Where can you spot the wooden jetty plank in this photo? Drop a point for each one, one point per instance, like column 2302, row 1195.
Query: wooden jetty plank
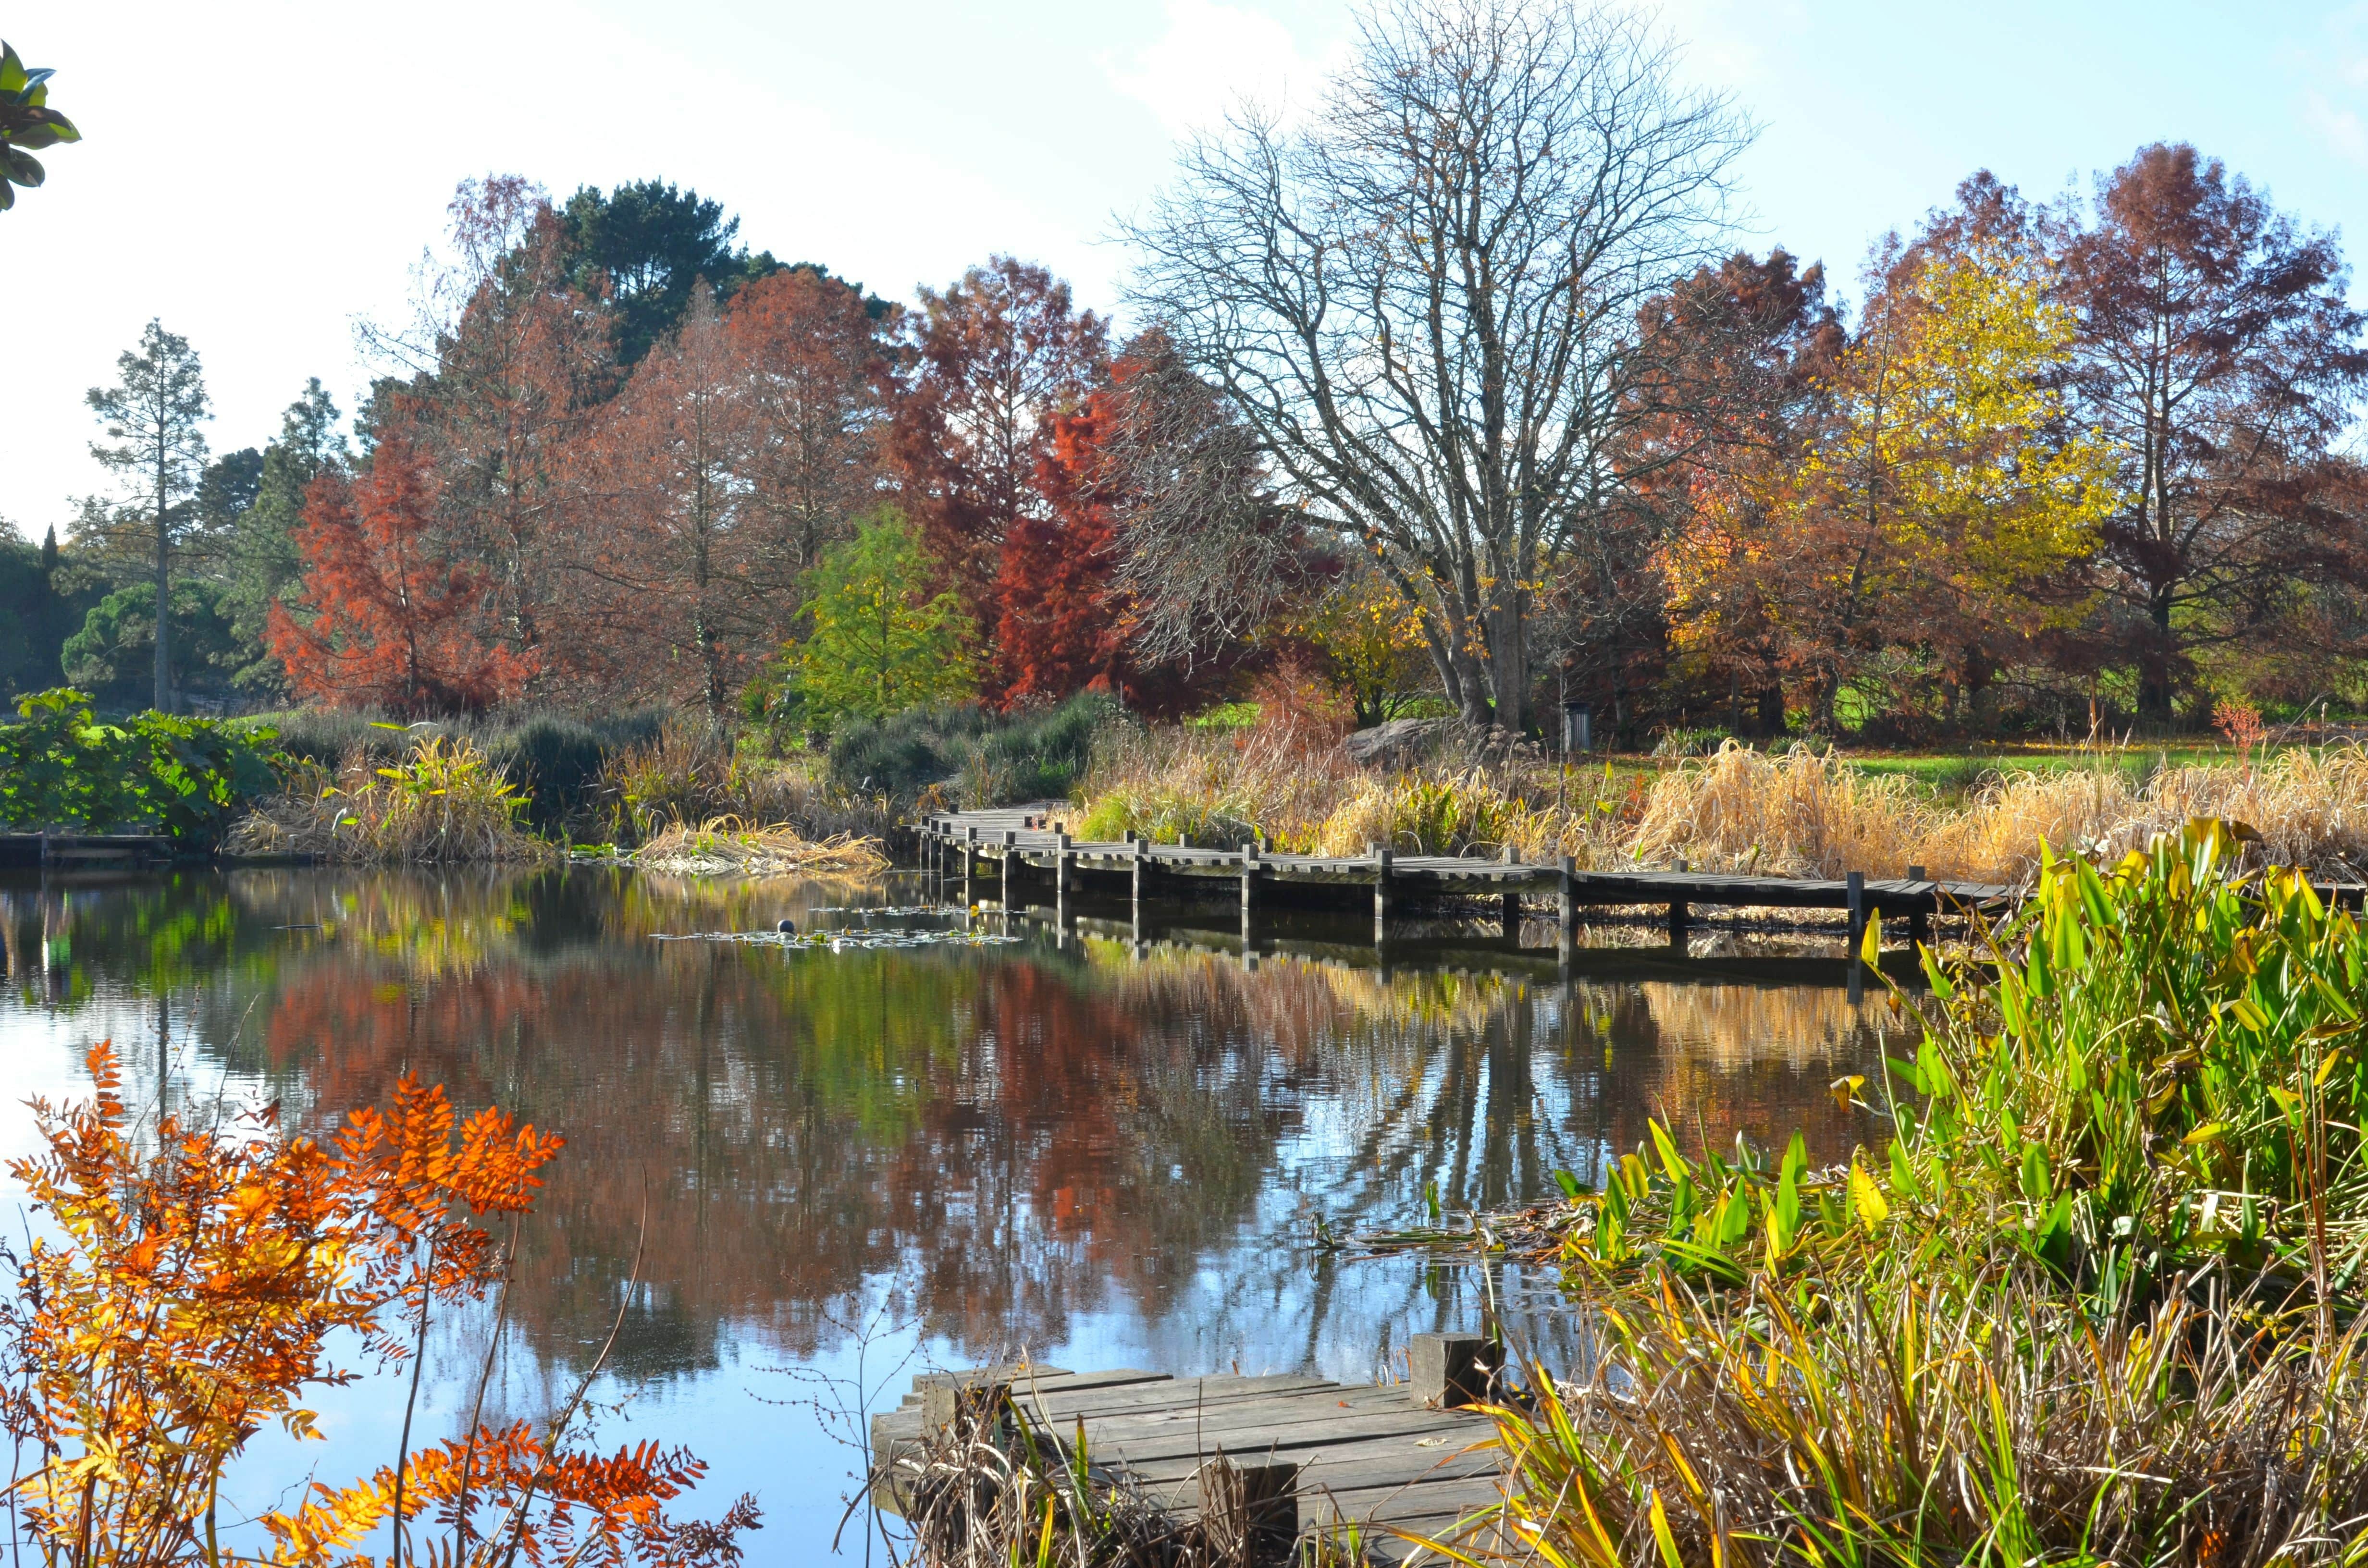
column 1364, row 1454
column 1262, row 1429
column 1176, row 1393
column 1379, row 1461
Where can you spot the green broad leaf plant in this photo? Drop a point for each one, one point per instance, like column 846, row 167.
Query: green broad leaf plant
column 2156, row 1068
column 27, row 124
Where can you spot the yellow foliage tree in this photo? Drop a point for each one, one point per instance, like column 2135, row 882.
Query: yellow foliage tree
column 1942, row 501
column 1371, row 637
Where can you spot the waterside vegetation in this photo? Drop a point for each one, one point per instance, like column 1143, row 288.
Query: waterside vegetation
column 2091, row 1293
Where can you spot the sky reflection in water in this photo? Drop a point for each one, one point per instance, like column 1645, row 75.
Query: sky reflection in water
column 855, row 1164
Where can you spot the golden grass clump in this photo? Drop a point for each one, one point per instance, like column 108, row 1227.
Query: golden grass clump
column 1442, row 814
column 727, row 844
column 1800, row 815
column 1216, row 785
column 1914, row 1427
column 444, row 802
column 692, row 772
column 1804, row 814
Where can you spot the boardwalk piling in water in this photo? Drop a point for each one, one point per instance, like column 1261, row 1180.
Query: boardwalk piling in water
column 1264, row 881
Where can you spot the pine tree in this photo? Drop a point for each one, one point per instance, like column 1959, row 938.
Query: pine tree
column 153, row 413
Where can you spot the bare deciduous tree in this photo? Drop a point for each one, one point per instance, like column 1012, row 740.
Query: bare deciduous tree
column 1424, row 301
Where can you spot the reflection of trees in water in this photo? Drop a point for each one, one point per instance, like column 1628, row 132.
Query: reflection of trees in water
column 1018, row 1137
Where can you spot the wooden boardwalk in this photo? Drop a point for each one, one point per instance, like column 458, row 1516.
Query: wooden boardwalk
column 59, row 851
column 1017, row 858
column 1316, row 1454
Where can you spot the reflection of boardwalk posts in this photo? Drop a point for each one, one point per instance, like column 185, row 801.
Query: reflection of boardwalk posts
column 81, row 851
column 1239, row 1461
column 1026, row 842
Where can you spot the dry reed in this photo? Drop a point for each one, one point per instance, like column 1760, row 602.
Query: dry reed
column 726, row 845
column 445, row 803
column 692, row 772
column 2001, row 1425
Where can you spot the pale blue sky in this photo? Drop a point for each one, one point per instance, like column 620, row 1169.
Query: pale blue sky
column 259, row 174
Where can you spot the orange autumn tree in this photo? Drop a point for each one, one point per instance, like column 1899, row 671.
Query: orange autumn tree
column 178, row 1296
column 388, row 616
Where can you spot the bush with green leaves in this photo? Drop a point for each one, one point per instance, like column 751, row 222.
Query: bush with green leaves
column 159, row 773
column 881, row 644
column 972, row 756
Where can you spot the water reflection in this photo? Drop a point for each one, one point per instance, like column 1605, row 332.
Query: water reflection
column 1112, row 1154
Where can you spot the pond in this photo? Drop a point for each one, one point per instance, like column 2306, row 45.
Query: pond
column 840, row 1166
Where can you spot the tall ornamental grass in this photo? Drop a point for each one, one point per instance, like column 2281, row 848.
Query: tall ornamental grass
column 444, row 802
column 2090, row 1294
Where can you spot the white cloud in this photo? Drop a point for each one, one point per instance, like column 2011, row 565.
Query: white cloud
column 1213, row 57
column 2341, row 129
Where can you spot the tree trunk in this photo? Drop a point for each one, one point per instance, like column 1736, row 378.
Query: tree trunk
column 163, row 591
column 2155, row 674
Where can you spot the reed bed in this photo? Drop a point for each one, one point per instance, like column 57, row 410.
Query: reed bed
column 1798, row 812
column 1807, row 815
column 443, row 802
column 692, row 771
column 727, row 844
column 1997, row 1426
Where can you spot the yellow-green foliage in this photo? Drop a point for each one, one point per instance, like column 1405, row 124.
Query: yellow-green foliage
column 1442, row 815
column 2159, row 1069
column 444, row 801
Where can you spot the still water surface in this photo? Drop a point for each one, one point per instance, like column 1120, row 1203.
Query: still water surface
column 842, row 1167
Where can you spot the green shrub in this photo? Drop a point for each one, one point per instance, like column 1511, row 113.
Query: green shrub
column 975, row 757
column 1038, row 757
column 328, row 737
column 185, row 778
column 906, row 753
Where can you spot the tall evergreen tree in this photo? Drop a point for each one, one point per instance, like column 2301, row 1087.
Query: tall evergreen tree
column 653, row 243
column 158, row 453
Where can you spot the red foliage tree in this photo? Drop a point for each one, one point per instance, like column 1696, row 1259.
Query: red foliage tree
column 816, row 391
column 2221, row 353
column 391, row 619
column 1066, row 618
column 659, row 601
column 509, row 362
column 999, row 356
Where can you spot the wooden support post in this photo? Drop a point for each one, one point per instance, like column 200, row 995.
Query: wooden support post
column 1451, row 1370
column 1919, row 925
column 1249, row 894
column 1061, row 861
column 1010, row 840
column 1140, row 873
column 1854, row 886
column 1380, row 855
column 1250, row 1513
column 1680, row 917
column 968, row 854
column 1567, row 914
column 1509, row 903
